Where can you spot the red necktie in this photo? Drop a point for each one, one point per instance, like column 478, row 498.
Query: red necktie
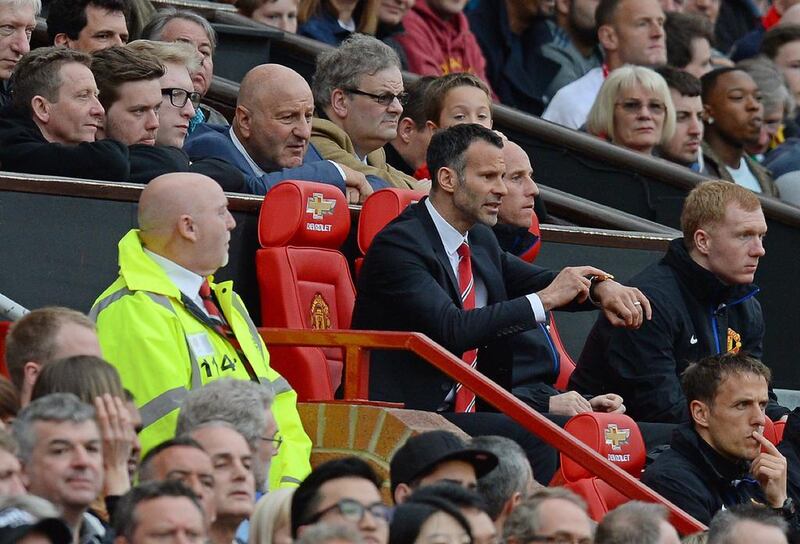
column 465, row 399
column 220, row 325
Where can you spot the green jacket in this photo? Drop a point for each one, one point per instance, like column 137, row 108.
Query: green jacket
column 162, row 352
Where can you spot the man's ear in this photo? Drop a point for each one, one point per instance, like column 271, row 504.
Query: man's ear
column 405, row 129
column 30, row 373
column 61, row 39
column 340, row 104
column 242, row 117
column 187, row 228
column 700, row 413
column 433, row 127
column 702, row 241
column 447, row 179
column 401, row 493
column 608, row 38
column 708, row 114
column 41, row 108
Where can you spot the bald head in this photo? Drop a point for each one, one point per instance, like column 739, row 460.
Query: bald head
column 273, row 116
column 516, row 207
column 791, row 16
column 184, row 217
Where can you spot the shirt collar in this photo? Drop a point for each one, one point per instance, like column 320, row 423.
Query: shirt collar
column 451, row 238
column 185, row 280
column 238, row 145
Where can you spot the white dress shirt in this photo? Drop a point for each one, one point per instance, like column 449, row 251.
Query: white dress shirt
column 185, row 280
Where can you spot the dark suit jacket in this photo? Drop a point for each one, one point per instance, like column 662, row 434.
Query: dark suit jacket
column 214, row 141
column 407, row 284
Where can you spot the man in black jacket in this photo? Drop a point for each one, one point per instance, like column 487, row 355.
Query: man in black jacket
column 703, row 304
column 721, row 458
column 55, row 117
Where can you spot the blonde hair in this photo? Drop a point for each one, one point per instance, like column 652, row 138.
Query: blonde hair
column 175, row 52
column 272, row 511
column 706, row 204
column 601, row 116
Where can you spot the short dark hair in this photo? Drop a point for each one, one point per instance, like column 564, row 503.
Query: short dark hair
column 448, row 148
column 683, row 82
column 182, row 441
column 701, row 380
column 306, row 497
column 605, row 12
column 409, row 517
column 777, row 37
column 709, row 80
column 439, row 87
column 120, row 64
column 681, row 29
column 125, row 520
column 723, row 525
column 69, row 16
column 416, row 100
column 38, row 73
column 449, row 491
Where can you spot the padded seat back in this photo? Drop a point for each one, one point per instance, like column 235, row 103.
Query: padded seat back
column 533, row 251
column 303, row 279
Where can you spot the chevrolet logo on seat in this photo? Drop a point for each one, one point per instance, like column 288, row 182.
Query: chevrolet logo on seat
column 319, row 207
column 616, row 437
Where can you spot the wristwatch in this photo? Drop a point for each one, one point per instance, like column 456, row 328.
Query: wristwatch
column 787, row 510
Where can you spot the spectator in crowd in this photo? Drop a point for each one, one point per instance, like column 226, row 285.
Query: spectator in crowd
column 26, row 519
column 269, row 139
column 435, row 456
column 780, row 13
column 630, row 32
column 9, row 401
column 706, row 305
column 505, row 486
column 747, row 523
column 633, row 110
column 471, row 505
column 281, row 14
column 720, row 458
column 11, row 483
column 738, row 19
column 172, row 25
column 61, row 452
column 245, row 405
column 55, row 119
column 180, row 242
column 409, row 257
column 456, row 99
column 343, row 491
column 183, row 459
column 271, row 519
column 777, row 101
column 733, row 119
column 87, row 25
column 407, row 151
column 390, row 25
column 324, row 533
column 425, row 520
column 18, row 17
column 684, row 146
column 358, row 90
column 549, row 514
column 689, row 39
column 438, row 40
column 782, row 46
column 333, row 22
column 158, row 511
column 234, row 482
column 636, row 522
column 530, row 57
column 43, row 336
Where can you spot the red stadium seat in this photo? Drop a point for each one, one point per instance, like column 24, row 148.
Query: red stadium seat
column 378, row 211
column 4, row 326
column 533, row 251
column 770, row 432
column 779, row 428
column 304, row 281
column 617, row 438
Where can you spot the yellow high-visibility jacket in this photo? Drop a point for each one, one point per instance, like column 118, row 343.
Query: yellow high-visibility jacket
column 162, row 352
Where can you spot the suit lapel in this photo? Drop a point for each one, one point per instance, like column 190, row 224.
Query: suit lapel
column 438, row 249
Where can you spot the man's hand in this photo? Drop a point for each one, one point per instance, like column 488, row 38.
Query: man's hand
column 769, row 468
column 358, row 188
column 623, row 306
column 572, row 283
column 117, row 433
column 568, row 404
column 609, row 403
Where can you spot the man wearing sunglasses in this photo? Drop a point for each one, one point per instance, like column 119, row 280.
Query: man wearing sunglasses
column 342, row 492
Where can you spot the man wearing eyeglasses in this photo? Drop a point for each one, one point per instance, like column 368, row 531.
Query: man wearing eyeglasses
column 358, row 92
column 342, row 492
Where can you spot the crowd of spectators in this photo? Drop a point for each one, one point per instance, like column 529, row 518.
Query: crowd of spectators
column 159, row 416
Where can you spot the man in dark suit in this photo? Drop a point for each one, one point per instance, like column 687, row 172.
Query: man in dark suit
column 269, row 138
column 409, row 282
